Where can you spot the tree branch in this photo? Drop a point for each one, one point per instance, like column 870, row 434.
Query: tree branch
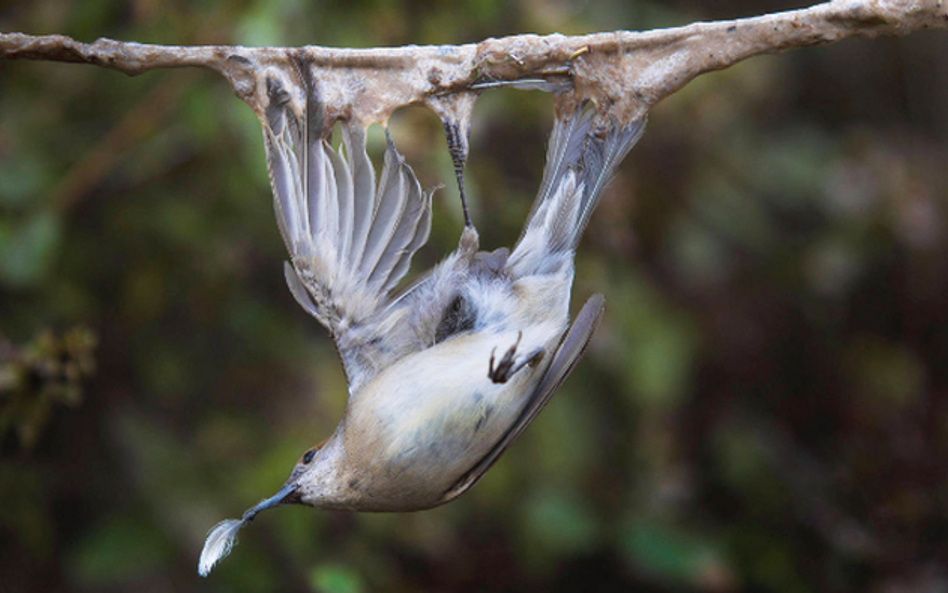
column 624, row 72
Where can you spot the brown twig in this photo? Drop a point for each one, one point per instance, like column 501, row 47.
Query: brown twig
column 625, row 72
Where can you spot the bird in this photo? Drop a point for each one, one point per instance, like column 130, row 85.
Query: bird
column 446, row 372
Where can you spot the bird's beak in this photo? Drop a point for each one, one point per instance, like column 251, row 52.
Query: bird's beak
column 222, row 537
column 288, row 494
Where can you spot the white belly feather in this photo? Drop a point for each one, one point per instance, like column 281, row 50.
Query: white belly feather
column 434, row 411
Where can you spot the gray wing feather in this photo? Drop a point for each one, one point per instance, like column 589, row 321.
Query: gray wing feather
column 412, row 234
column 349, row 242
column 346, row 202
column 400, row 224
column 571, row 349
column 601, row 160
column 398, row 190
column 583, row 155
column 363, row 188
column 565, row 149
column 298, row 290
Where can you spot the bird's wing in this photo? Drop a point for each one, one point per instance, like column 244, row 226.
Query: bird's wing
column 350, row 241
column 571, row 349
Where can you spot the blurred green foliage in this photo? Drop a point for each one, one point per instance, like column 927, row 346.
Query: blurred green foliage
column 764, row 408
column 48, row 371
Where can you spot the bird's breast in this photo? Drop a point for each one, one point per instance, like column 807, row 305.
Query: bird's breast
column 427, row 419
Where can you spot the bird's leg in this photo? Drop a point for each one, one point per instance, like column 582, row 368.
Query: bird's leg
column 508, row 365
column 457, row 146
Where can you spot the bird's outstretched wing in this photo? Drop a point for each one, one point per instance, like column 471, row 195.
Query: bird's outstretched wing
column 350, row 241
column 570, row 350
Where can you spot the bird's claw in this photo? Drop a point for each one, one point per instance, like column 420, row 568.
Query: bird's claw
column 508, row 365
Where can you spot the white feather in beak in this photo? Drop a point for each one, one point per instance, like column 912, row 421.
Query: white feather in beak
column 222, row 537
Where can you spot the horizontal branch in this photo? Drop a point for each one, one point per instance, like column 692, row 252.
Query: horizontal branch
column 624, row 72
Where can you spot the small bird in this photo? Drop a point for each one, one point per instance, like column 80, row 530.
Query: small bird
column 446, row 373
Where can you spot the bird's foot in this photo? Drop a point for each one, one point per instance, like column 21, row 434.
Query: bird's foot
column 456, row 134
column 508, row 365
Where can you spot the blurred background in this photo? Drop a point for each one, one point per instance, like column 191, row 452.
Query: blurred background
column 764, row 408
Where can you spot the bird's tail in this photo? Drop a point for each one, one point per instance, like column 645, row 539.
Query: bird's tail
column 582, row 157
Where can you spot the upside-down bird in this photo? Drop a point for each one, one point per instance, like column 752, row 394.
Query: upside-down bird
column 444, row 374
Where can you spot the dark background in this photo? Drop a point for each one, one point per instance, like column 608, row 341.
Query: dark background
column 764, row 408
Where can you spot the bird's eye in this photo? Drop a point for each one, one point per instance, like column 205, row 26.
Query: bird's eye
column 308, row 456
